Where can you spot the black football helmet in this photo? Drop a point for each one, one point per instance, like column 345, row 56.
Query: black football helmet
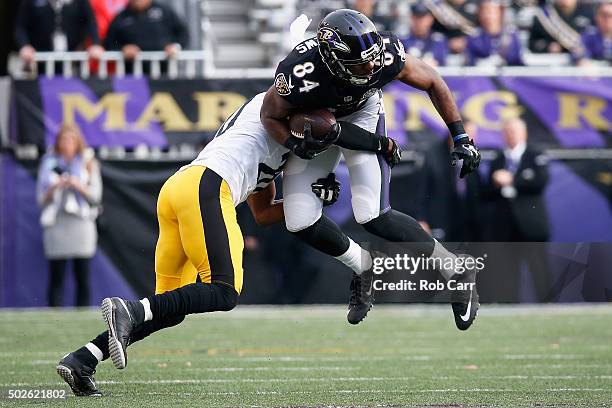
column 347, row 37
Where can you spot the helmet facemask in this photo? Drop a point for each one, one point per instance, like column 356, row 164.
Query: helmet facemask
column 332, row 48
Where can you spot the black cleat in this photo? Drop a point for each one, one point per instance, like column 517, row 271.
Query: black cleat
column 465, row 302
column 121, row 317
column 362, row 296
column 78, row 376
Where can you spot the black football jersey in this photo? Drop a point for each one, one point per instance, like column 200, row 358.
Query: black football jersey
column 305, row 81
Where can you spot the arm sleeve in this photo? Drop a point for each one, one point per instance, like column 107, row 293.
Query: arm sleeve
column 353, row 137
column 21, row 31
column 111, row 42
column 90, row 23
column 179, row 30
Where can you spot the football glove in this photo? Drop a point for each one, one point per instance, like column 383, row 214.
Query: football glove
column 465, row 150
column 309, row 147
column 327, row 189
column 392, row 155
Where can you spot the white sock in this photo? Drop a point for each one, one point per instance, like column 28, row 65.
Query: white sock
column 93, row 349
column 440, row 252
column 356, row 258
column 147, row 309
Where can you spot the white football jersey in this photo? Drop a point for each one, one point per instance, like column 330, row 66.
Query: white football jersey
column 243, row 153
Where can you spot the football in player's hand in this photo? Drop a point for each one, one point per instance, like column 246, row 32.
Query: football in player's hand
column 321, row 122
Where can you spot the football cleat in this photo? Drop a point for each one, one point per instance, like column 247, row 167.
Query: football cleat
column 121, row 317
column 362, row 296
column 78, row 376
column 464, row 301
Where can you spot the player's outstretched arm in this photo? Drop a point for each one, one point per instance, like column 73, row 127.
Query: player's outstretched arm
column 421, row 76
column 266, row 210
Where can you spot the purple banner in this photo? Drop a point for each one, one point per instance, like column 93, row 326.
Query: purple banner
column 560, row 112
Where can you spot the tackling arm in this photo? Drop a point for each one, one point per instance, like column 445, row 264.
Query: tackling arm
column 266, row 210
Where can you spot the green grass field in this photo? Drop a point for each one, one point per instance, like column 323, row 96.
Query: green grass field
column 553, row 356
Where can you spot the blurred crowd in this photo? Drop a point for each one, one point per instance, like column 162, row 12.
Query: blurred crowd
column 129, row 26
column 491, row 32
column 442, row 32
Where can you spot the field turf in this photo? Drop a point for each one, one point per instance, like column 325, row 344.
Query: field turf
column 409, row 356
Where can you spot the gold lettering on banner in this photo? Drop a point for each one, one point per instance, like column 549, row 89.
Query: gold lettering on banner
column 112, row 104
column 474, row 108
column 574, row 107
column 163, row 108
column 419, row 103
column 215, row 107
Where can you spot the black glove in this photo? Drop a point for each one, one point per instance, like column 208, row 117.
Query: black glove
column 309, row 147
column 327, row 189
column 465, row 150
column 392, row 156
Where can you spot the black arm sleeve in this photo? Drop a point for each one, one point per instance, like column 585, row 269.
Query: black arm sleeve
column 179, row 30
column 112, row 41
column 90, row 23
column 353, row 137
column 21, row 31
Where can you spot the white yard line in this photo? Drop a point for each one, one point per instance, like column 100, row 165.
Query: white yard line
column 331, row 379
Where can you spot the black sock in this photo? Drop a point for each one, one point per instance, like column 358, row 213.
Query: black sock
column 395, row 226
column 193, row 298
column 152, row 326
column 325, row 236
column 86, row 357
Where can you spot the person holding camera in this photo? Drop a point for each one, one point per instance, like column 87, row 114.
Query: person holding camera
column 69, row 191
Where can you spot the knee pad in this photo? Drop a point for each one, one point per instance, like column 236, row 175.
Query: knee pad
column 301, row 211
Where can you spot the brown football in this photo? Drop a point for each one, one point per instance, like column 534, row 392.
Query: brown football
column 321, row 121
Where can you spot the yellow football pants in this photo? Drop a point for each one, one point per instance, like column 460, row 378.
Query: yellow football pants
column 198, row 232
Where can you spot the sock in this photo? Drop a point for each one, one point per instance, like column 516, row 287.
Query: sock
column 326, row 236
column 152, row 326
column 440, row 252
column 356, row 258
column 95, row 351
column 148, row 315
column 193, row 298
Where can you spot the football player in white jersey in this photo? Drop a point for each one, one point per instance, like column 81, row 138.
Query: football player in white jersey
column 199, row 235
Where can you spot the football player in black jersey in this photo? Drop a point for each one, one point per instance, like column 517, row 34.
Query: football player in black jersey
column 343, row 70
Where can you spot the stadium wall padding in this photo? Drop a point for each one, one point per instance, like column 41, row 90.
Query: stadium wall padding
column 278, row 268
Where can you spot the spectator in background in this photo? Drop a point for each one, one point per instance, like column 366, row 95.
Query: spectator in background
column 368, row 8
column 494, row 43
column 105, row 11
column 422, row 43
column 8, row 13
column 455, row 19
column 145, row 25
column 55, row 25
column 450, row 206
column 556, row 27
column 517, row 179
column 69, row 189
column 597, row 41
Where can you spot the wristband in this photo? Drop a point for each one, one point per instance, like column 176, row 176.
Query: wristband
column 459, row 137
column 456, row 128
